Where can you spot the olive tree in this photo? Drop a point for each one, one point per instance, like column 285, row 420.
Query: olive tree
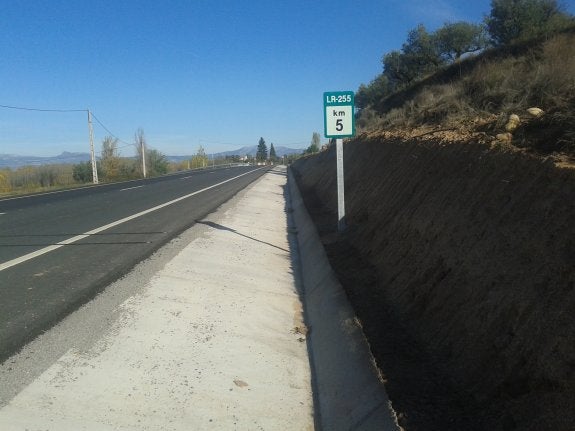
column 459, row 38
column 512, row 20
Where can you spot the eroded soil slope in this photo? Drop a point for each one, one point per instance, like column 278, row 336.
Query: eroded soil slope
column 460, row 262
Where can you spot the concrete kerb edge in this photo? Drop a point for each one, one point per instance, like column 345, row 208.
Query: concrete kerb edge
column 350, row 393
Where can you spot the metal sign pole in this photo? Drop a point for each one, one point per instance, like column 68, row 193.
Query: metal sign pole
column 339, row 122
column 340, row 186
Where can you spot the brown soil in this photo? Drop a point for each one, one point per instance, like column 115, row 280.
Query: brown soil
column 459, row 259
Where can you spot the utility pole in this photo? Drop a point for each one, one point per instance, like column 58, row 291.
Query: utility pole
column 143, row 148
column 92, row 155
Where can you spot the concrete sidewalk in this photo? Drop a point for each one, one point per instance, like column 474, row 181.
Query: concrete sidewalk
column 209, row 334
column 214, row 340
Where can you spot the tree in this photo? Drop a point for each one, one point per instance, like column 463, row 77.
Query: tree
column 368, row 95
column 273, row 155
column 129, row 169
column 419, row 57
column 422, row 52
column 314, row 146
column 110, row 159
column 262, row 152
column 158, row 163
column 199, row 160
column 46, row 175
column 396, row 69
column 512, row 20
column 456, row 39
column 82, row 172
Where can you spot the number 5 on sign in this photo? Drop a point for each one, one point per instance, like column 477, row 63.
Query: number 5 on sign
column 339, row 121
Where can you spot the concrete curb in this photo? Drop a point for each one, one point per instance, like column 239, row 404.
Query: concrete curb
column 350, row 393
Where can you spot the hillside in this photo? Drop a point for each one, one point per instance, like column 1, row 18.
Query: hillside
column 460, row 248
column 480, row 93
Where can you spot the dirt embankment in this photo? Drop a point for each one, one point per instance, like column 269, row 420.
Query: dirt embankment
column 460, row 262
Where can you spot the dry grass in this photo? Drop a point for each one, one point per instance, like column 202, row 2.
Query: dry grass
column 540, row 75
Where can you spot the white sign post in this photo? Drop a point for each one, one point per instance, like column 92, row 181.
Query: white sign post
column 339, row 123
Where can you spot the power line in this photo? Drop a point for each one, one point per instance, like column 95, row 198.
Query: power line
column 107, row 130
column 42, row 110
column 22, row 108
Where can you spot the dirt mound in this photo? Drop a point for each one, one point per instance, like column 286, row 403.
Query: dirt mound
column 459, row 260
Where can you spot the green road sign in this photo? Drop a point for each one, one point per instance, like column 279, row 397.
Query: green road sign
column 339, row 121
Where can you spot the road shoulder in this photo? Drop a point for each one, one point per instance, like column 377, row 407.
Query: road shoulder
column 208, row 339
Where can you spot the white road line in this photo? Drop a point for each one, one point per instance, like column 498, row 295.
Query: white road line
column 130, row 188
column 49, row 193
column 184, row 178
column 77, row 238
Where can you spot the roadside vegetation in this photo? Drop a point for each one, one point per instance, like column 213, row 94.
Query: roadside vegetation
column 30, row 179
column 476, row 76
column 113, row 167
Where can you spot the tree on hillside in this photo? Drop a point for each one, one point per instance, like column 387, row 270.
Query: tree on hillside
column 456, row 39
column 369, row 94
column 262, row 152
column 512, row 20
column 419, row 57
column 273, row 155
column 110, row 159
column 396, row 69
column 421, row 51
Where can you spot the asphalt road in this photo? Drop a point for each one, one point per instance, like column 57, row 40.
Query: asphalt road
column 59, row 250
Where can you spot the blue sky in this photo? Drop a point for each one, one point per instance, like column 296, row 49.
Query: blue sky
column 216, row 73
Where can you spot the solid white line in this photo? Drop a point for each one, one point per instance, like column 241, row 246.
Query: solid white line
column 48, row 193
column 77, row 238
column 130, row 188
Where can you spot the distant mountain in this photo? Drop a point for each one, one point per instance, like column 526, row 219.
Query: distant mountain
column 15, row 161
column 244, row 151
column 66, row 158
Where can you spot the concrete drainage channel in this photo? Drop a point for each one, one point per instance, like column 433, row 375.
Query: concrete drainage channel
column 349, row 393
